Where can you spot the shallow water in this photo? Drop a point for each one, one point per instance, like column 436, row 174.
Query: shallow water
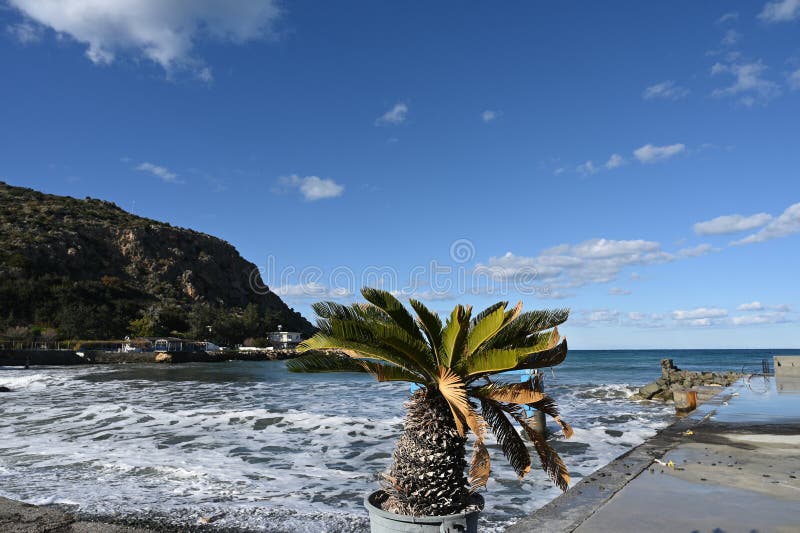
column 256, row 447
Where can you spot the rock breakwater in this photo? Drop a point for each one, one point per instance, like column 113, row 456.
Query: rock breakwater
column 674, row 379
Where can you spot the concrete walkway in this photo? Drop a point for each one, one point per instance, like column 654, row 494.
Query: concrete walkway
column 733, row 466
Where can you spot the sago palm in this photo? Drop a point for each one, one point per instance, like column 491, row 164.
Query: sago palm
column 453, row 363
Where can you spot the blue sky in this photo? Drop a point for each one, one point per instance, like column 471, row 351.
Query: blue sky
column 635, row 162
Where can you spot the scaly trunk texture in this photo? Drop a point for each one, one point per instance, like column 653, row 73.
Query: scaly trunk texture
column 427, row 476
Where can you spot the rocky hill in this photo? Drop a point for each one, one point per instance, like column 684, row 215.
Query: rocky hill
column 91, row 270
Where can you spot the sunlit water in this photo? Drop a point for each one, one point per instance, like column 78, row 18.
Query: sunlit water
column 253, row 446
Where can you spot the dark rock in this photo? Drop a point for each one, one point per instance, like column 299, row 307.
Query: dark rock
column 673, row 379
column 4, row 389
column 667, row 367
column 648, row 391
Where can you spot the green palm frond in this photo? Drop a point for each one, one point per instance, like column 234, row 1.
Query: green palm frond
column 551, row 357
column 454, row 336
column 507, row 437
column 522, row 331
column 390, row 305
column 431, row 326
column 485, row 328
column 324, row 362
column 396, row 338
column 491, row 362
column 486, row 312
column 360, row 350
column 386, row 372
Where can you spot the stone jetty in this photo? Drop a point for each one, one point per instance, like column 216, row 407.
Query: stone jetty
column 707, row 384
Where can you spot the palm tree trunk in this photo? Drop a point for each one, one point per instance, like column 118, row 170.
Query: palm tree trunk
column 427, row 475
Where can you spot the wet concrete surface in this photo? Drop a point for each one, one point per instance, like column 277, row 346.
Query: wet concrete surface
column 732, row 466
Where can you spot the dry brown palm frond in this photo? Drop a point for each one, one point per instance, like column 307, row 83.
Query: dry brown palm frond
column 538, row 384
column 480, row 468
column 565, row 427
column 507, row 437
column 547, row 405
column 551, row 461
column 519, row 393
column 453, row 390
column 555, row 338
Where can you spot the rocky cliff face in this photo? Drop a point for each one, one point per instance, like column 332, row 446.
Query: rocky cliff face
column 60, row 255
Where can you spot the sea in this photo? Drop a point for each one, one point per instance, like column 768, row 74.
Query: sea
column 250, row 446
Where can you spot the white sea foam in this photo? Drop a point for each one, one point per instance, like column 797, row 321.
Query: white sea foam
column 25, row 382
column 256, row 447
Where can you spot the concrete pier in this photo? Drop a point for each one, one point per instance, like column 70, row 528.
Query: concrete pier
column 731, row 466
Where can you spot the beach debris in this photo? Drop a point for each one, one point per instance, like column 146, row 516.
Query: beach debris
column 688, row 432
column 209, row 519
column 668, row 464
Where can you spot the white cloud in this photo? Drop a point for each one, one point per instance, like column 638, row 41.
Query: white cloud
column 603, row 315
column 651, row 154
column 313, row 187
column 749, row 83
column 764, row 318
column 697, row 251
column 794, row 80
column 311, row 290
column 164, row 173
column 618, row 291
column 758, row 306
column 700, row 313
column 590, row 317
column 752, row 306
column 163, row 31
column 575, row 265
column 666, row 90
column 731, row 37
column 489, row 115
column 700, row 322
column 25, row 32
column 780, row 11
column 396, row 115
column 425, row 296
column 586, row 169
column 731, row 224
column 205, row 75
column 615, row 161
column 786, row 224
column 728, row 17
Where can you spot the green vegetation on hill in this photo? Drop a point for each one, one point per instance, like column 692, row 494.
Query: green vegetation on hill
column 88, row 269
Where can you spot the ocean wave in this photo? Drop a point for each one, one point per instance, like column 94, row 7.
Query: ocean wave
column 260, row 451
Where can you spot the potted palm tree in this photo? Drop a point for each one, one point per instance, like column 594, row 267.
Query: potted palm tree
column 454, row 366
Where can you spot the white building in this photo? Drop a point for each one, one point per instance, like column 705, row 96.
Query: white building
column 284, row 339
